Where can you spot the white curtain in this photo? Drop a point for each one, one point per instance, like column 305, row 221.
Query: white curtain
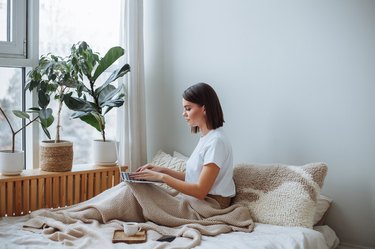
column 131, row 121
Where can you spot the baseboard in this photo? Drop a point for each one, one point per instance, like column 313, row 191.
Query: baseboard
column 344, row 245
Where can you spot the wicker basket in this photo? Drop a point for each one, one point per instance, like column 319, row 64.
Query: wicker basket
column 56, row 157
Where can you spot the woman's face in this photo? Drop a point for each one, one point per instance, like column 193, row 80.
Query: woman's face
column 194, row 114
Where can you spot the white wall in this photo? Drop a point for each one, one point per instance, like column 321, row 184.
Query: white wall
column 296, row 80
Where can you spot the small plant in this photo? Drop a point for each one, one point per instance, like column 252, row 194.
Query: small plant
column 44, row 118
column 54, row 76
column 94, row 100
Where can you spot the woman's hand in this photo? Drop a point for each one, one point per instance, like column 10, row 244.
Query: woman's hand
column 150, row 167
column 147, row 174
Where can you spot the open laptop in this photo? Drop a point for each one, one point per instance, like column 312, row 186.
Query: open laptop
column 126, row 178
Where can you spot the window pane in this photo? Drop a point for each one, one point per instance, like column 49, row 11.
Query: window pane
column 10, row 95
column 4, row 20
column 64, row 23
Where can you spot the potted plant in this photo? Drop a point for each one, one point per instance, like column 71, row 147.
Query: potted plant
column 95, row 100
column 54, row 77
column 12, row 161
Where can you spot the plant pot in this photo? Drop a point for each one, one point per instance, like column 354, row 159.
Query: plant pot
column 11, row 163
column 105, row 153
column 56, row 157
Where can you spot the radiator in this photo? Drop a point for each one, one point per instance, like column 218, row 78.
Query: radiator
column 35, row 189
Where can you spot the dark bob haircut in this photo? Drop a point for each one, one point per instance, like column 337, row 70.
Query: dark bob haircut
column 203, row 94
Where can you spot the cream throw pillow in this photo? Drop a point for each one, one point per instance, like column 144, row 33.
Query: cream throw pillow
column 280, row 194
column 322, row 206
column 165, row 160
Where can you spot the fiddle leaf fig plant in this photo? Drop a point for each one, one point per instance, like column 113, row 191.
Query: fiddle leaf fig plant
column 95, row 100
column 53, row 77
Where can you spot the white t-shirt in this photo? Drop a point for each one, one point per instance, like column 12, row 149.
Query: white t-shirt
column 214, row 147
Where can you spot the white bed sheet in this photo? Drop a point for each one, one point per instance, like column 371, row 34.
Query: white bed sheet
column 267, row 236
column 263, row 237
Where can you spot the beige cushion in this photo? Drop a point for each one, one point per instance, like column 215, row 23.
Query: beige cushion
column 280, row 194
column 322, row 206
column 180, row 155
column 163, row 159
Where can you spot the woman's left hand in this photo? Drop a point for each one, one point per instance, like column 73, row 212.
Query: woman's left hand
column 147, row 174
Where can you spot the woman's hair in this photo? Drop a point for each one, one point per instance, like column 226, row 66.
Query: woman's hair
column 203, row 94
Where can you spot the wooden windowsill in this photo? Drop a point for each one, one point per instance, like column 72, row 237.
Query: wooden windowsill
column 81, row 168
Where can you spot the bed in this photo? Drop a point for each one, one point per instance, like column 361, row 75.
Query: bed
column 264, row 236
column 289, row 213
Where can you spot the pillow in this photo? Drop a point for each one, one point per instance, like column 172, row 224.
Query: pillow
column 322, row 206
column 280, row 194
column 180, row 156
column 165, row 160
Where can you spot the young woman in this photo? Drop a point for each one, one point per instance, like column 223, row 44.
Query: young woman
column 209, row 170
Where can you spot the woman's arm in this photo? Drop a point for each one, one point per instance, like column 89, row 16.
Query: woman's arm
column 201, row 188
column 198, row 190
column 173, row 173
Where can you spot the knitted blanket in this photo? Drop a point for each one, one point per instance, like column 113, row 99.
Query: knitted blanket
column 159, row 211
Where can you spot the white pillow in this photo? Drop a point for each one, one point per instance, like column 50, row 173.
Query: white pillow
column 180, row 155
column 322, row 206
column 165, row 160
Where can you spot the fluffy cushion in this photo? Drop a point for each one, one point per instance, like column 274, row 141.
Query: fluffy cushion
column 165, row 160
column 322, row 206
column 180, row 155
column 280, row 194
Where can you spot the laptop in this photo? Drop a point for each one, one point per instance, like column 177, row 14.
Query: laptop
column 126, row 178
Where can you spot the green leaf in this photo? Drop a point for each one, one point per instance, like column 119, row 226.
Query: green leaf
column 114, row 103
column 110, row 57
column 107, row 93
column 46, row 132
column 43, row 99
column 21, row 114
column 92, row 120
column 46, row 118
column 114, row 76
column 33, row 110
column 77, row 104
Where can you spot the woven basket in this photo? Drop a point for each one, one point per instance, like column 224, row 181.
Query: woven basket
column 56, row 157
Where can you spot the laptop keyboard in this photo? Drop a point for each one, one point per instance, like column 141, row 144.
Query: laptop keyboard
column 125, row 177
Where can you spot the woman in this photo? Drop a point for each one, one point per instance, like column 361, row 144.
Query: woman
column 184, row 213
column 209, row 170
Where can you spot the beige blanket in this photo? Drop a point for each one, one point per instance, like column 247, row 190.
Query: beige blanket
column 159, row 211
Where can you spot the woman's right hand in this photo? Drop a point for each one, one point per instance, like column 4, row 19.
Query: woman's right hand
column 150, row 167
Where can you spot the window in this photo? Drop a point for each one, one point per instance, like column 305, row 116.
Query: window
column 18, row 19
column 64, row 23
column 10, row 90
column 30, row 28
column 13, row 28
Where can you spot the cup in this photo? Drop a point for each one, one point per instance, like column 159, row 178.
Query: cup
column 131, row 228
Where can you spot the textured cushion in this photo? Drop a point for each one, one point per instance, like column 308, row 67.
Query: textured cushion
column 322, row 206
column 180, row 155
column 280, row 194
column 165, row 160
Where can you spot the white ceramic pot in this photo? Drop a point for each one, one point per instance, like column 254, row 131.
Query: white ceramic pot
column 105, row 153
column 11, row 163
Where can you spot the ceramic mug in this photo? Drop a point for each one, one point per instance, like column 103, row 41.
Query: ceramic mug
column 131, row 228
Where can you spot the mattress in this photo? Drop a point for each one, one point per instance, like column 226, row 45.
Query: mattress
column 264, row 236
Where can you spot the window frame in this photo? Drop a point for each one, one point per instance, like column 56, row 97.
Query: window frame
column 23, row 50
column 29, row 58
